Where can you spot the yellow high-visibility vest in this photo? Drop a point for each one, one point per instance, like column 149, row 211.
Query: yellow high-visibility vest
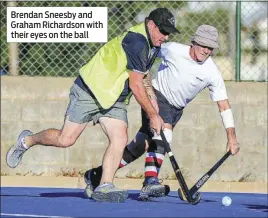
column 105, row 74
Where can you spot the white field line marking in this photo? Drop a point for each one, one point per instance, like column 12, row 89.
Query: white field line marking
column 30, row 215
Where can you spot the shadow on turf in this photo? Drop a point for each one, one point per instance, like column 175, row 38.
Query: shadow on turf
column 79, row 194
column 202, row 200
column 262, row 208
column 63, row 194
column 135, row 196
column 132, row 196
column 51, row 195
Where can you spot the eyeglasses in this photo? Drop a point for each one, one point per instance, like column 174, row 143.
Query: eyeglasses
column 161, row 30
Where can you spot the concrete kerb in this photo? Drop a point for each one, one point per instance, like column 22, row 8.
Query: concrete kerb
column 135, row 184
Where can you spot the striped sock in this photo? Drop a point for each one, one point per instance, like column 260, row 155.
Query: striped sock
column 134, row 150
column 153, row 163
column 123, row 163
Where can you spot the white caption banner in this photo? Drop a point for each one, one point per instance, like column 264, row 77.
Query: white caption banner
column 57, row 24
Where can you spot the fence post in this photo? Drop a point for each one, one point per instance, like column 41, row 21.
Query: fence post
column 238, row 41
column 232, row 38
column 13, row 52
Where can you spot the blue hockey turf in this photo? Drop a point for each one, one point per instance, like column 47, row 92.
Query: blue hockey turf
column 59, row 202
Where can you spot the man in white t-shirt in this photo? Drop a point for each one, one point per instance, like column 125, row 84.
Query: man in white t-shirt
column 184, row 72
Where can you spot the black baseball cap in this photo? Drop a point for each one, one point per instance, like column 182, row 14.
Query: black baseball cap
column 164, row 19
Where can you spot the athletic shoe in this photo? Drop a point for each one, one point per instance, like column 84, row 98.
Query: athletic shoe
column 152, row 188
column 15, row 153
column 107, row 192
column 92, row 178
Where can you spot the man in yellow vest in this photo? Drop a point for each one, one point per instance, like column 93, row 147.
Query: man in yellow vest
column 99, row 94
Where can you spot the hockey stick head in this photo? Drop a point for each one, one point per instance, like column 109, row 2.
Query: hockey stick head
column 181, row 195
column 195, row 199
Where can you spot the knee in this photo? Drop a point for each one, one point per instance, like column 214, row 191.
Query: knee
column 167, row 133
column 141, row 141
column 66, row 141
column 123, row 139
column 119, row 140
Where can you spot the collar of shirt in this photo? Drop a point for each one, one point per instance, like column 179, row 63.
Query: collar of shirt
column 148, row 35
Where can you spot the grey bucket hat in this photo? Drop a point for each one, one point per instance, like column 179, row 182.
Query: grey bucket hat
column 206, row 35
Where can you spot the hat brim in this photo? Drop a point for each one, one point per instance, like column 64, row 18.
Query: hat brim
column 170, row 29
column 205, row 42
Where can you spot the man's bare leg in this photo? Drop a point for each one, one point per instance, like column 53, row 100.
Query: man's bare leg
column 116, row 130
column 64, row 138
column 50, row 137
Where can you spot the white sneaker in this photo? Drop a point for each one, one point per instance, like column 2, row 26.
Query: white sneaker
column 15, row 153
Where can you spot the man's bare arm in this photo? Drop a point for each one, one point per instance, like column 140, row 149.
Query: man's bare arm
column 139, row 91
column 228, row 122
column 147, row 82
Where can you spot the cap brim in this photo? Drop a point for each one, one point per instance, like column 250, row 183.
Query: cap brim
column 170, row 29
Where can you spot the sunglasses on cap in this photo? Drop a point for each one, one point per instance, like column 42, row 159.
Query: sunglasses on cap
column 161, row 30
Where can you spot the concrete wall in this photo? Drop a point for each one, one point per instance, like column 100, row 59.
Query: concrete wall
column 199, row 138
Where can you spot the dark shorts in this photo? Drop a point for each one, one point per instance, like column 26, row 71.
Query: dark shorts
column 167, row 112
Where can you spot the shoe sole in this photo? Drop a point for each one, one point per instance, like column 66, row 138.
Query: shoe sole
column 9, row 152
column 12, row 148
column 144, row 197
column 155, row 193
column 117, row 197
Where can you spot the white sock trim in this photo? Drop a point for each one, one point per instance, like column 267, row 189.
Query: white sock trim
column 123, row 162
column 157, row 155
column 151, row 168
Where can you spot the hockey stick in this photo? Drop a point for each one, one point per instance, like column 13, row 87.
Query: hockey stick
column 207, row 175
column 185, row 191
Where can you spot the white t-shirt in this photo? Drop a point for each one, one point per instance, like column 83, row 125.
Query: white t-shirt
column 180, row 78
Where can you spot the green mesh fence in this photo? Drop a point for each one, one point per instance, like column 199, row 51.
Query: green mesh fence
column 64, row 59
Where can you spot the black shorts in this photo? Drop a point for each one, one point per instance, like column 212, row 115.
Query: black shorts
column 167, row 112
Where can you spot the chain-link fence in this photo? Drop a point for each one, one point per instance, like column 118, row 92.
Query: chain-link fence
column 64, row 59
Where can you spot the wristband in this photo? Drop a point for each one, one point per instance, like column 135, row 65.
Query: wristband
column 227, row 118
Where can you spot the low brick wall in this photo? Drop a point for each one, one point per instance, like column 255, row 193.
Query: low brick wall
column 37, row 103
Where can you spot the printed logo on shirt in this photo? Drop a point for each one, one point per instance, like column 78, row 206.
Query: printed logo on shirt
column 162, row 67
